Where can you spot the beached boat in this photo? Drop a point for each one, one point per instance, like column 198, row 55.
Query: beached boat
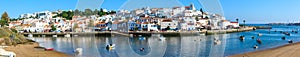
column 4, row 53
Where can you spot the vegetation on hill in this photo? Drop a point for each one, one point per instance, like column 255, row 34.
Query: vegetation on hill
column 11, row 37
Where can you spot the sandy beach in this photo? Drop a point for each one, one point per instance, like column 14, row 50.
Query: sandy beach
column 29, row 50
column 290, row 50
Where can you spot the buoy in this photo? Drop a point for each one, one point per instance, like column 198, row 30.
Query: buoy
column 252, row 37
column 283, row 38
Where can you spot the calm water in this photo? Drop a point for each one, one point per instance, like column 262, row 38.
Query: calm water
column 181, row 46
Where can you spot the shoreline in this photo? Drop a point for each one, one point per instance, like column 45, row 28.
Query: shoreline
column 32, row 49
column 288, row 50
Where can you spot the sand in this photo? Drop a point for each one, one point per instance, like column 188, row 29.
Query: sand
column 29, row 50
column 290, row 50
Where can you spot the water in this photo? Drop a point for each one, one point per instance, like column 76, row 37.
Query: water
column 182, row 46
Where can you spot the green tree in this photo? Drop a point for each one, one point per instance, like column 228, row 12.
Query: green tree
column 77, row 12
column 53, row 28
column 96, row 12
column 101, row 13
column 3, row 22
column 5, row 16
column 237, row 20
column 66, row 14
column 197, row 19
column 88, row 12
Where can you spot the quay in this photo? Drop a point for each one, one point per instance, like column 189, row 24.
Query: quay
column 146, row 33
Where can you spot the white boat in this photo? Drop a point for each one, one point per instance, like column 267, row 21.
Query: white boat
column 162, row 38
column 68, row 35
column 6, row 53
column 155, row 35
column 217, row 41
column 75, row 35
column 54, row 36
column 259, row 34
column 78, row 51
column 130, row 35
column 43, row 35
column 30, row 35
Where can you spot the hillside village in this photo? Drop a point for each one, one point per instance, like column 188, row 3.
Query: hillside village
column 185, row 18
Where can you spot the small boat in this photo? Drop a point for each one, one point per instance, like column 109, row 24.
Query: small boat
column 43, row 35
column 78, row 50
column 75, row 35
column 259, row 41
column 49, row 49
column 242, row 37
column 162, row 38
column 142, row 38
column 155, row 35
column 217, row 42
column 68, row 35
column 110, row 46
column 54, row 36
column 287, row 33
column 130, row 35
column 255, row 47
column 290, row 41
column 30, row 35
column 259, row 34
column 7, row 53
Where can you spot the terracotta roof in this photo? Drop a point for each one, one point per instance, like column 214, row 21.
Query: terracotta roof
column 234, row 22
column 167, row 20
column 145, row 22
column 101, row 22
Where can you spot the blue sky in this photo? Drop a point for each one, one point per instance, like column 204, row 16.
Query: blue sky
column 253, row 11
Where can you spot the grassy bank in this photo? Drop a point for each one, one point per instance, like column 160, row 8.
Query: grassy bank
column 10, row 37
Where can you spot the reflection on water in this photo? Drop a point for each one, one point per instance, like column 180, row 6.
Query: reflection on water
column 183, row 46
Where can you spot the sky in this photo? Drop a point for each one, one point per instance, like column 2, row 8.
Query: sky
column 253, row 11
